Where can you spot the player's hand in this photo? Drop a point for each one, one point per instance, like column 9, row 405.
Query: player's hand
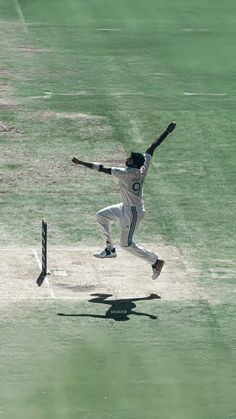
column 76, row 161
column 171, row 127
column 152, row 296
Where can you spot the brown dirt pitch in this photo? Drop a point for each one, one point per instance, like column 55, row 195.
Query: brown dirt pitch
column 76, row 274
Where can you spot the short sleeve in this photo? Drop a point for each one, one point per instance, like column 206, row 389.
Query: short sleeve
column 119, row 172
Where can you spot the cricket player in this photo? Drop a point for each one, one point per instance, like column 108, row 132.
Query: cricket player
column 130, row 211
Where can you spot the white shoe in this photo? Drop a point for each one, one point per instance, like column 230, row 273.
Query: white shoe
column 106, row 253
column 157, row 267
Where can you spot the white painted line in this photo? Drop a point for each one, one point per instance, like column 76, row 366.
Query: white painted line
column 46, row 278
column 37, row 259
column 127, row 94
column 67, row 94
column 49, row 94
column 108, row 29
column 85, row 297
column 195, row 30
column 69, row 249
column 40, row 97
column 15, row 249
column 25, row 249
column 21, row 15
column 203, row 94
column 79, row 297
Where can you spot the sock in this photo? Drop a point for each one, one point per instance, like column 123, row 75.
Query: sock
column 110, row 246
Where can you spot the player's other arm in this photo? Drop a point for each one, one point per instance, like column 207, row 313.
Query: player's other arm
column 93, row 166
column 150, row 150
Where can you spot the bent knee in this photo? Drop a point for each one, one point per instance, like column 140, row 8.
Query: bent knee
column 101, row 218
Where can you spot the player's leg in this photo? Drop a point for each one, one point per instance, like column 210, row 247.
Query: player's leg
column 141, row 252
column 129, row 223
column 104, row 217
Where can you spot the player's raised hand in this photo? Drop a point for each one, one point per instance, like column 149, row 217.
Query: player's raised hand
column 77, row 161
column 150, row 150
column 171, row 127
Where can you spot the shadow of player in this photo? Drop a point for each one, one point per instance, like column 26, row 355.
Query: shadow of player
column 119, row 310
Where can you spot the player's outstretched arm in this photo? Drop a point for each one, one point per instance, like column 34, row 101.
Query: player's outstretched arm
column 153, row 146
column 93, row 166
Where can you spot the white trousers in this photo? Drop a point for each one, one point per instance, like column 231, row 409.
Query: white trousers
column 129, row 219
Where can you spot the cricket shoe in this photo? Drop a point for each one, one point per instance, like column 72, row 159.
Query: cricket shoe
column 106, row 253
column 156, row 268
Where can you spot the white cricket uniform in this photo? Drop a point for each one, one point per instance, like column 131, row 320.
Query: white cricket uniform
column 130, row 211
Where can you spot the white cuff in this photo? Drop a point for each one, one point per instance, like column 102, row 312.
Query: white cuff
column 96, row 166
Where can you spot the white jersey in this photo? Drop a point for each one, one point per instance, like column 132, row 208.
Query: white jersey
column 131, row 183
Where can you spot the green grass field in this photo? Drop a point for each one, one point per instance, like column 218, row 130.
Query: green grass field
column 99, row 79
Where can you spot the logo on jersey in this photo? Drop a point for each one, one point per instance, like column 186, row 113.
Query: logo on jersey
column 137, row 187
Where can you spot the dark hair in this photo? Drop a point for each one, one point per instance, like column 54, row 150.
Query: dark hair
column 138, row 159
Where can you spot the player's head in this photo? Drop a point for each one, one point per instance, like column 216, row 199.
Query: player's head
column 135, row 160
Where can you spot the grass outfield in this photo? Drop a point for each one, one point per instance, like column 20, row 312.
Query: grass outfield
column 98, row 80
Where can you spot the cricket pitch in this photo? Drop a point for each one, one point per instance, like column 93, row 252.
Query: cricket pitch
column 76, row 274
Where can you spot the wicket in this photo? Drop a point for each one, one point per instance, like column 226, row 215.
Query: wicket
column 44, row 246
